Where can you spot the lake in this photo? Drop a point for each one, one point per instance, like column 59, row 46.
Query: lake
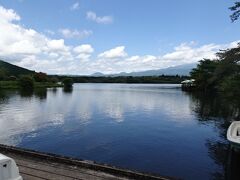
column 152, row 128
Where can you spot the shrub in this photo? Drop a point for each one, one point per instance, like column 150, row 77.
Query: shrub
column 40, row 77
column 67, row 82
column 26, row 82
column 54, row 80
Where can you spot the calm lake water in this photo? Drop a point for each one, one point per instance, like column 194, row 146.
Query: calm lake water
column 152, row 128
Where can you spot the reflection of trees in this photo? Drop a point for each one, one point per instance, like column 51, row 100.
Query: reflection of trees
column 215, row 106
column 26, row 93
column 54, row 90
column 4, row 96
column 41, row 93
column 67, row 90
column 221, row 111
column 233, row 167
column 218, row 151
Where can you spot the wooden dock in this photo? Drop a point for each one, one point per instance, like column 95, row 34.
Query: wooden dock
column 35, row 165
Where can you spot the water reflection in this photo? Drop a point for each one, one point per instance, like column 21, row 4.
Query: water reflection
column 26, row 93
column 67, row 89
column 3, row 96
column 54, row 90
column 41, row 93
column 232, row 170
column 221, row 111
column 171, row 132
column 215, row 106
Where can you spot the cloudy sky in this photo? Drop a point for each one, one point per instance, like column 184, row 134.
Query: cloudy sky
column 111, row 36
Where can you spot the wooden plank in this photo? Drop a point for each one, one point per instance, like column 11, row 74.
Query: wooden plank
column 43, row 174
column 73, row 172
column 30, row 177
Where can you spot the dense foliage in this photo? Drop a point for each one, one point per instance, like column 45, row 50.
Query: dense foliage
column 26, row 82
column 221, row 74
column 126, row 79
column 236, row 11
column 40, row 77
column 67, row 82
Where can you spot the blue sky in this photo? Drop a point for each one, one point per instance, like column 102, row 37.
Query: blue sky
column 113, row 35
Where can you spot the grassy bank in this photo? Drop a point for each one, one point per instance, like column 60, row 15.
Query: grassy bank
column 9, row 85
column 15, row 85
column 46, row 85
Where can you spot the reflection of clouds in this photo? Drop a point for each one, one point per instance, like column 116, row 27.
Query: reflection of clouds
column 115, row 112
column 89, row 102
column 116, row 100
column 14, row 123
column 25, row 115
column 57, row 119
column 84, row 113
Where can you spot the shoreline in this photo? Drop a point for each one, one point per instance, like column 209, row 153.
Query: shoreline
column 26, row 155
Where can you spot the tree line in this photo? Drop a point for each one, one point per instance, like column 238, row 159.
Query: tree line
column 125, row 79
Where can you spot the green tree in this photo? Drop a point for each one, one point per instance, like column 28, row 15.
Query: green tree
column 221, row 74
column 67, row 82
column 203, row 74
column 236, row 11
column 228, row 65
column 54, row 80
column 231, row 86
column 26, row 82
column 40, row 77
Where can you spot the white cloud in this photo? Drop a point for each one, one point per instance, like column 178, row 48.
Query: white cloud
column 68, row 33
column 75, row 6
column 181, row 54
column 117, row 52
column 8, row 15
column 57, row 45
column 84, row 57
column 28, row 48
column 101, row 20
column 187, row 53
column 84, row 48
column 83, row 51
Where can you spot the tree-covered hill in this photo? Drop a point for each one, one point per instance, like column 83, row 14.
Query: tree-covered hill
column 13, row 70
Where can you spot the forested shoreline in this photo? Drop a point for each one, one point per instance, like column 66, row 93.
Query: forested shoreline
column 125, row 79
column 219, row 75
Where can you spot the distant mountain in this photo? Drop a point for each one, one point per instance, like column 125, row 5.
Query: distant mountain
column 185, row 69
column 182, row 70
column 97, row 74
column 14, row 70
